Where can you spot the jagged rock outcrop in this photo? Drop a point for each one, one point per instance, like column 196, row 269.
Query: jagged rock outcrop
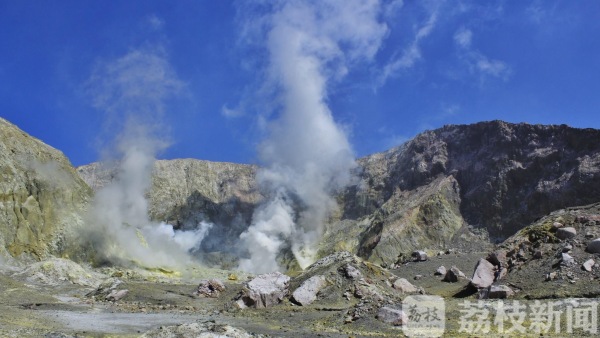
column 41, row 197
column 495, row 176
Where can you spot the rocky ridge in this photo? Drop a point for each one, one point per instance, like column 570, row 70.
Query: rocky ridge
column 457, row 185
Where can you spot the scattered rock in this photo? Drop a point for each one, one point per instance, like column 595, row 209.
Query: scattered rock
column 500, row 292
column 483, row 276
column 116, row 295
column 110, row 290
column 588, row 265
column 566, row 233
column 537, row 254
column 211, row 288
column 568, row 247
column 566, row 259
column 419, row 256
column 441, row 271
column 352, row 272
column 392, row 316
column 404, row 286
column 307, row 292
column 453, row 274
column 594, row 246
column 207, row 329
column 551, row 276
column 497, row 258
column 556, row 225
column 264, row 290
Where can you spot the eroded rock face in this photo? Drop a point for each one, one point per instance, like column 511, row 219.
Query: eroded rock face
column 42, row 198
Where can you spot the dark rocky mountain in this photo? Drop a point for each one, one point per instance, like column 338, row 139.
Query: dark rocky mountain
column 493, row 176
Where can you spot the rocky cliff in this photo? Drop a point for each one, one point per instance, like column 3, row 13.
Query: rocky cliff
column 445, row 187
column 494, row 176
column 41, row 196
column 185, row 192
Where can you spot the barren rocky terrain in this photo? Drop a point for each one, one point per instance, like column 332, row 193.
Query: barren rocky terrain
column 490, row 214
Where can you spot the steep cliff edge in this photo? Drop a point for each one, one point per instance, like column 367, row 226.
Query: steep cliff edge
column 41, row 196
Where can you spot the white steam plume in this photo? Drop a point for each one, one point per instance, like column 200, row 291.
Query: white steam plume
column 134, row 89
column 307, row 155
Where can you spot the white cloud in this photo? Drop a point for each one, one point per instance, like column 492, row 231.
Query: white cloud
column 231, row 113
column 411, row 54
column 493, row 67
column 477, row 62
column 463, row 37
column 155, row 22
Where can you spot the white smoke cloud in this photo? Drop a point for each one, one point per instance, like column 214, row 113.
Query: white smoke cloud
column 307, row 155
column 135, row 89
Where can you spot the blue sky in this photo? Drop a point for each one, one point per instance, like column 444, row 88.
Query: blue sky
column 432, row 63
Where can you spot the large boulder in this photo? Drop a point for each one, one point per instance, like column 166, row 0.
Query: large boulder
column 588, row 265
column 453, row 274
column 484, row 274
column 419, row 256
column 307, row 292
column 594, row 246
column 404, row 286
column 264, row 290
column 500, row 292
column 566, row 233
